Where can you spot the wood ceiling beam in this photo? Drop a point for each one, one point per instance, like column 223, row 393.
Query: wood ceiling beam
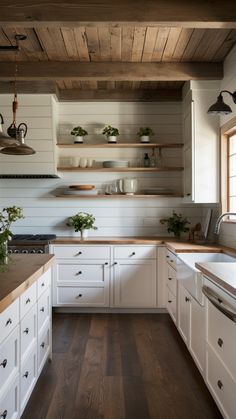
column 29, row 87
column 119, row 71
column 110, row 95
column 186, row 13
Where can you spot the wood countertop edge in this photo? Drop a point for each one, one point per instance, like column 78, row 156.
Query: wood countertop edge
column 16, row 292
column 217, row 280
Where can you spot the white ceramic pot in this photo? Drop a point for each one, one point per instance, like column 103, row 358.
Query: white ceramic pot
column 145, row 139
column 112, row 139
column 78, row 139
column 84, row 234
column 128, row 186
column 83, row 162
column 74, row 161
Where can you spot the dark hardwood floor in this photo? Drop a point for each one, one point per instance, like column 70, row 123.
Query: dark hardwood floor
column 119, row 366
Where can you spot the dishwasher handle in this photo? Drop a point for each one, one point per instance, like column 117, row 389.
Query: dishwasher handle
column 217, row 301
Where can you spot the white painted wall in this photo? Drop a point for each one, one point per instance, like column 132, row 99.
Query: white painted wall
column 44, row 213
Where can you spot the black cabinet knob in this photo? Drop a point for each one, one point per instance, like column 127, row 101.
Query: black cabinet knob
column 220, row 384
column 106, row 263
column 187, row 299
column 132, row 254
column 115, row 263
column 188, row 194
column 42, row 285
column 27, row 301
column 26, row 331
column 26, row 374
column 4, row 414
column 42, row 309
column 170, row 279
column 9, row 321
column 79, row 273
column 4, row 363
column 169, row 301
column 42, row 345
column 220, row 342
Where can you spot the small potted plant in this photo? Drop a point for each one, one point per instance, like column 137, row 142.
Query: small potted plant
column 79, row 134
column 111, row 133
column 8, row 216
column 145, row 134
column 82, row 222
column 176, row 224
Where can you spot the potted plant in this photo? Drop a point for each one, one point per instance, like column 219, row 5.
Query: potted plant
column 82, row 222
column 111, row 133
column 176, row 224
column 8, row 216
column 79, row 134
column 145, row 134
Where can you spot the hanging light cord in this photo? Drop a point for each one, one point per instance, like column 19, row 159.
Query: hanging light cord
column 15, row 102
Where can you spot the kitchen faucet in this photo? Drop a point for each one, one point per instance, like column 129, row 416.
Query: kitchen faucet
column 220, row 219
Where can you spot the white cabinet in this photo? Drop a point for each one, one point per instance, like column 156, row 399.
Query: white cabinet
column 22, row 326
column 184, row 313
column 201, row 143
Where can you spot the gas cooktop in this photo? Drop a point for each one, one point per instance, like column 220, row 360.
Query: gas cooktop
column 33, row 237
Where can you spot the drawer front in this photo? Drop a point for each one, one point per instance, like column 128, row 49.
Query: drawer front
column 43, row 309
column 171, row 304
column 82, row 273
column 9, row 403
column 43, row 346
column 9, row 318
column 9, row 357
column 82, row 296
column 221, row 384
column 28, row 331
column 28, row 377
column 221, row 335
column 134, row 252
column 171, row 279
column 82, row 252
column 27, row 300
column 171, row 258
column 43, row 282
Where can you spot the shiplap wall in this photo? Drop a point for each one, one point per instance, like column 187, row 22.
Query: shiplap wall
column 44, row 213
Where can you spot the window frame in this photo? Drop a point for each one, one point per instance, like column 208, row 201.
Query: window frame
column 227, row 130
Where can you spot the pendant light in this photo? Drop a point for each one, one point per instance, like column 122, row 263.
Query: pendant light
column 220, row 107
column 17, row 134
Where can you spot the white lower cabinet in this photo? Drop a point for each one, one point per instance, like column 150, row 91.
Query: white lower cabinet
column 24, row 326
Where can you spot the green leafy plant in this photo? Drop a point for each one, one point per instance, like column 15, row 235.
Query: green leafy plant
column 82, row 221
column 110, row 131
column 8, row 216
column 145, row 131
column 176, row 224
column 79, row 132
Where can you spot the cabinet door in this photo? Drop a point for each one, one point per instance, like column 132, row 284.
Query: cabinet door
column 197, row 334
column 184, row 313
column 135, row 283
column 188, row 162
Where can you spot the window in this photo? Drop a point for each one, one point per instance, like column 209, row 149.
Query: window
column 228, row 167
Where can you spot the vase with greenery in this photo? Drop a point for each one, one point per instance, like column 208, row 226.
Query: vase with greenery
column 111, row 133
column 176, row 224
column 8, row 216
column 82, row 222
column 145, row 133
column 79, row 133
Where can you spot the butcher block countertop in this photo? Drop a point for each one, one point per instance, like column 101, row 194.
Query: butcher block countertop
column 22, row 270
column 221, row 273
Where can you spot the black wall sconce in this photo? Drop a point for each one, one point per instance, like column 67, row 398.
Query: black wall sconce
column 220, row 107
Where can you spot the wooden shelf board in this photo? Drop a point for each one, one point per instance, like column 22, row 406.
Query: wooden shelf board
column 119, row 196
column 122, row 145
column 123, row 169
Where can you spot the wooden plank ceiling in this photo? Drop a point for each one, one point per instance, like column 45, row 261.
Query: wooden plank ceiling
column 115, row 43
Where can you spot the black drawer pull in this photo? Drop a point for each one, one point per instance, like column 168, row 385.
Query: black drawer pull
column 26, row 374
column 169, row 301
column 220, row 342
column 187, row 299
column 115, row 263
column 167, row 256
column 42, row 309
column 170, row 279
column 27, row 301
column 9, row 321
column 26, row 331
column 220, row 384
column 78, row 254
column 42, row 345
column 79, row 273
column 188, row 194
column 4, row 414
column 80, row 295
column 132, row 254
column 4, row 363
column 106, row 263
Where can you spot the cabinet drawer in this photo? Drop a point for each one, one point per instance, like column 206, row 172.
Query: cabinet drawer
column 82, row 296
column 171, row 304
column 28, row 377
column 221, row 384
column 43, row 309
column 171, row 279
column 9, row 357
column 134, row 252
column 9, row 402
column 27, row 300
column 28, row 331
column 82, row 273
column 221, row 335
column 43, row 282
column 171, row 258
column 82, row 252
column 43, row 346
column 9, row 318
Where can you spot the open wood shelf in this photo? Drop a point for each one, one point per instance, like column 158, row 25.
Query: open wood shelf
column 120, row 169
column 119, row 196
column 122, row 145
